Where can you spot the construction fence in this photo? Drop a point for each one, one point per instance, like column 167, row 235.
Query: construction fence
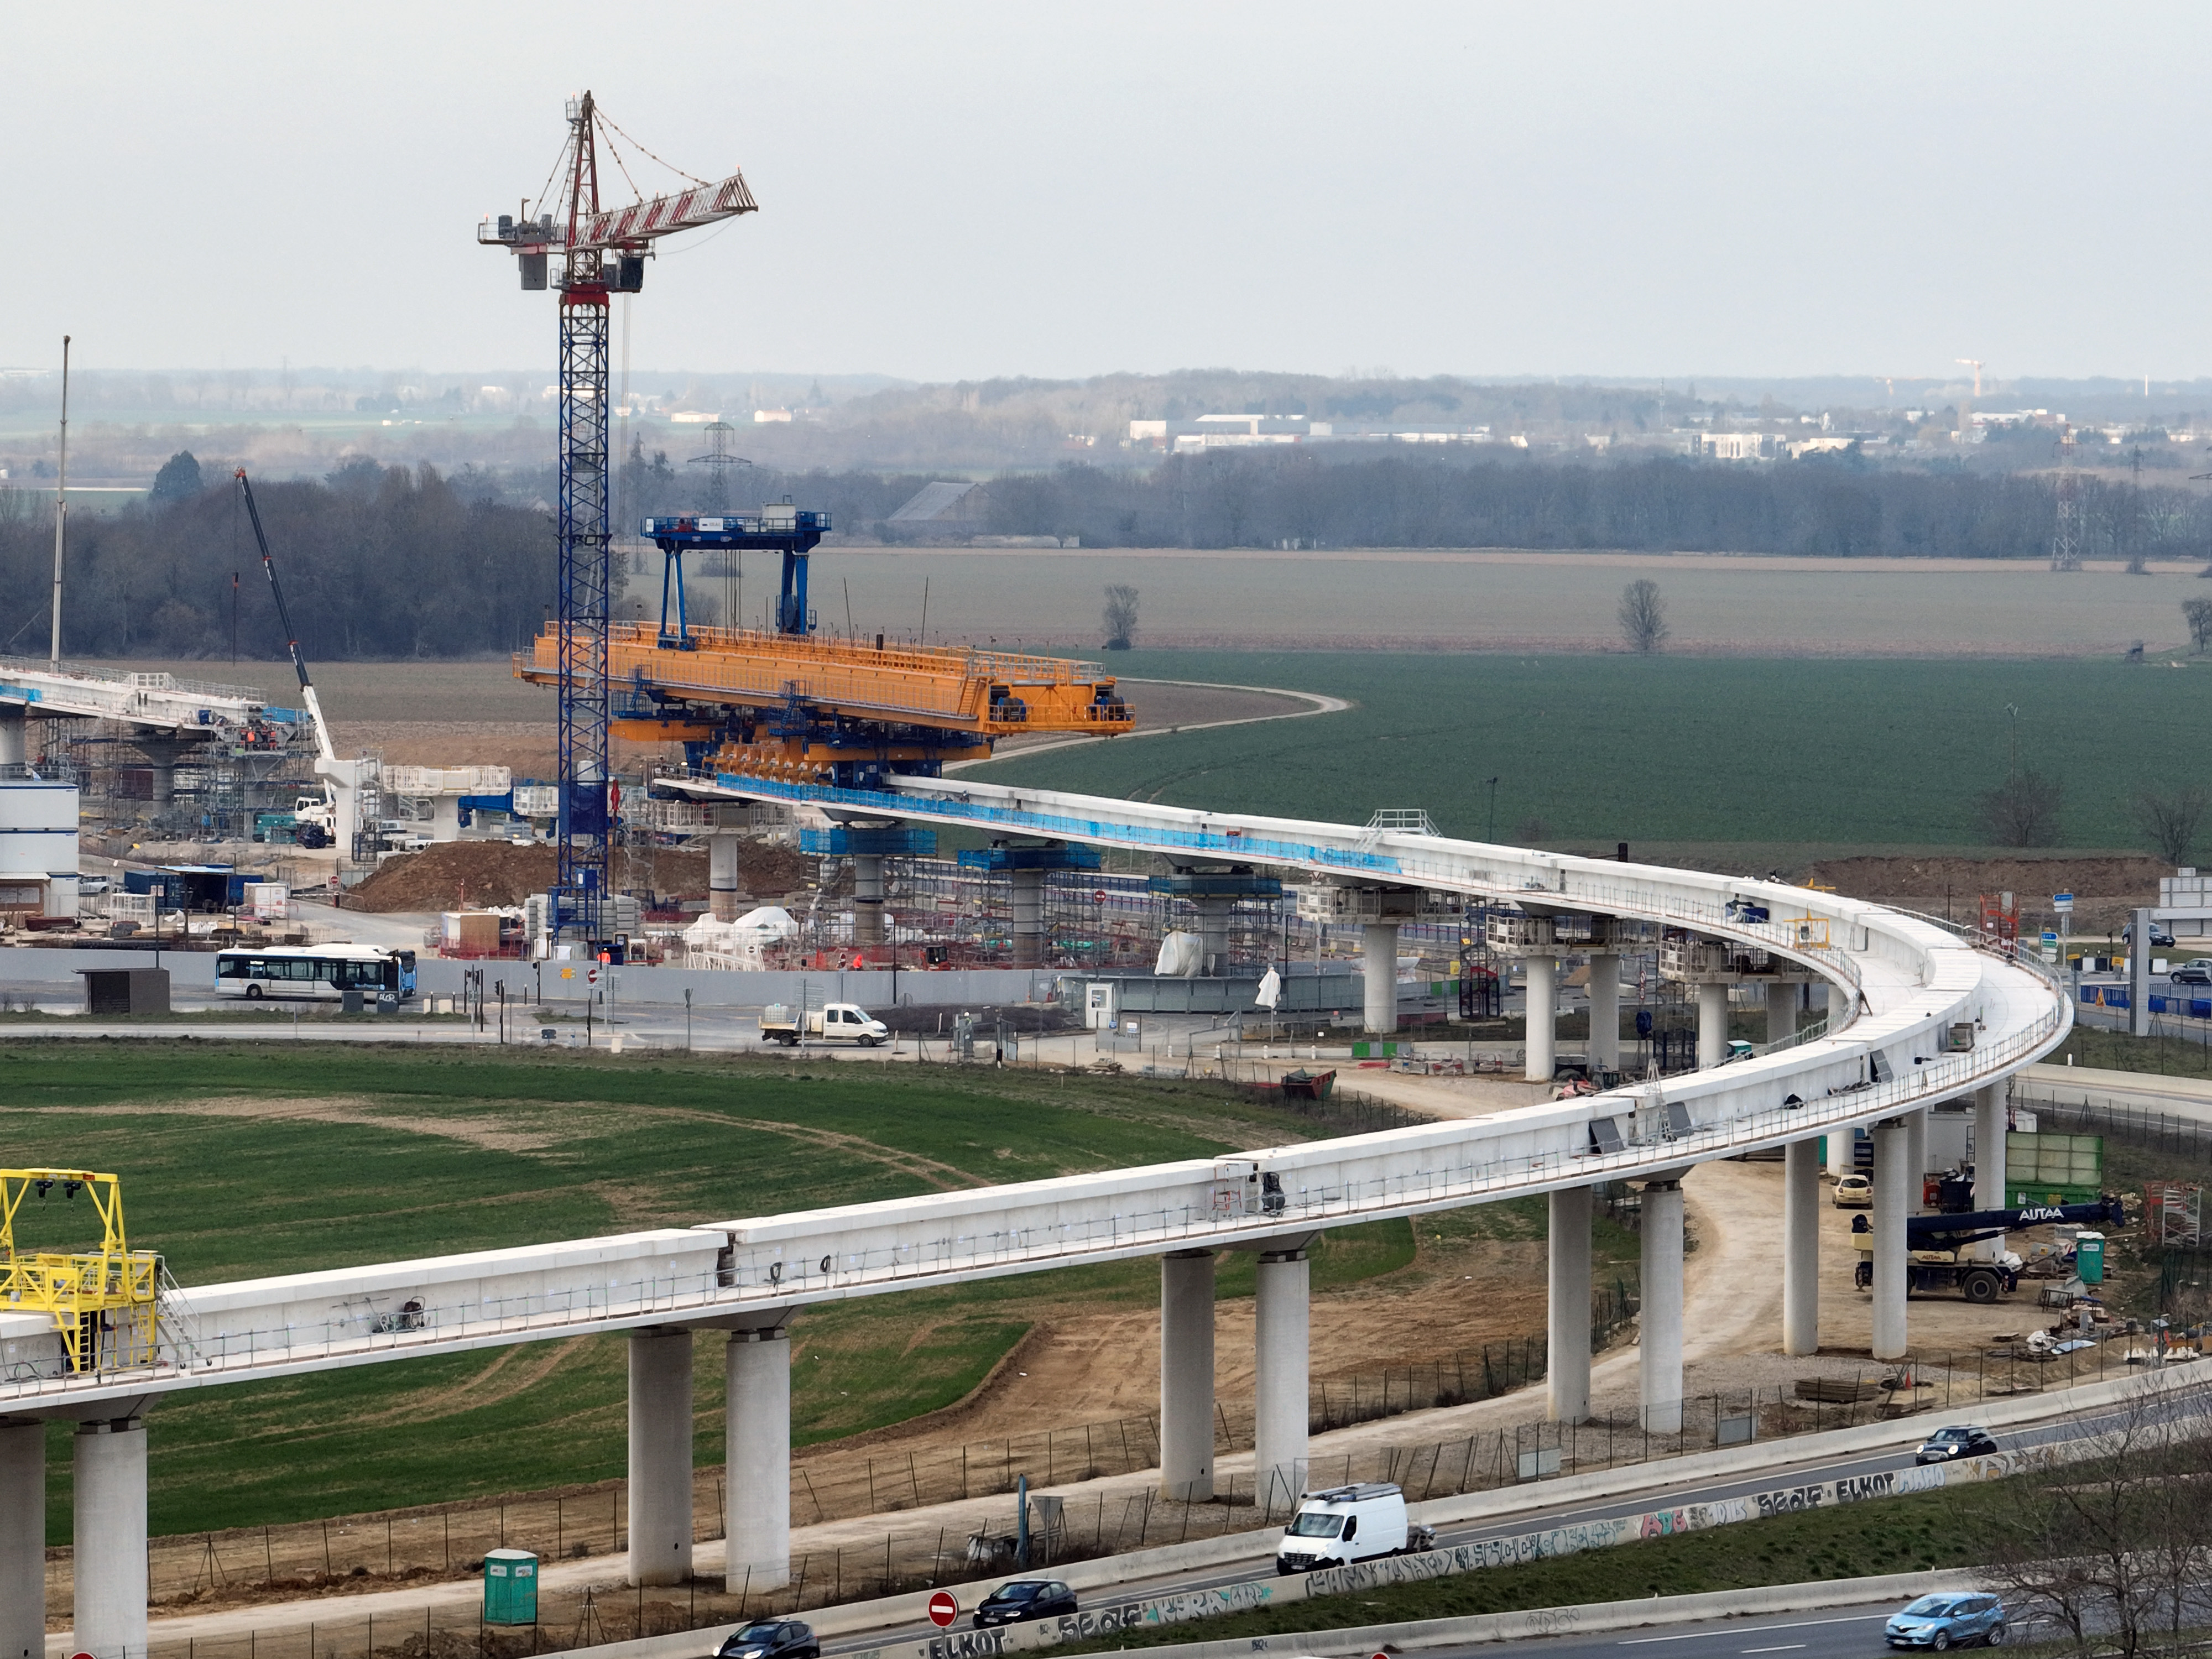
column 1062, row 1529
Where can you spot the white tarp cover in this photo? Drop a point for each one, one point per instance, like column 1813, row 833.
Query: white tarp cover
column 1181, row 956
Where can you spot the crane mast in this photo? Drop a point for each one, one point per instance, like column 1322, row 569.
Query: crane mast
column 602, row 251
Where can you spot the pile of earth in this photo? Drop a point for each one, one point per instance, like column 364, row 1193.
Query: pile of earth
column 2105, row 885
column 481, row 874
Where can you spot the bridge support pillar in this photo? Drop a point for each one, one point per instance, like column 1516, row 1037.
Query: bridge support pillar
column 22, row 1539
column 1892, row 1156
column 1659, row 1356
column 1567, row 1346
column 1841, row 1142
column 1379, row 968
column 162, row 755
column 1604, row 1011
column 109, row 1621
column 660, row 1457
column 1541, row 1026
column 867, row 899
column 758, row 1488
column 723, row 886
column 1028, row 917
column 1213, row 914
column 1280, row 1366
column 1712, row 1025
column 1992, row 1118
column 1185, row 1377
column 1916, row 1161
column 14, row 750
column 1781, row 1012
column 1801, row 1246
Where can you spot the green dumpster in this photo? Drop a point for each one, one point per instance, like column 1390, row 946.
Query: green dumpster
column 510, row 1588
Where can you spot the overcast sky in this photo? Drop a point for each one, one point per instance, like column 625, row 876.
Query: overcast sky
column 962, row 191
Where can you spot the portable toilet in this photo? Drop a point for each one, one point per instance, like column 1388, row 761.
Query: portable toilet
column 510, row 1587
column 2089, row 1258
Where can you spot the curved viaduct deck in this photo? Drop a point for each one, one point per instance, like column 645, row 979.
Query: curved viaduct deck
column 1910, row 982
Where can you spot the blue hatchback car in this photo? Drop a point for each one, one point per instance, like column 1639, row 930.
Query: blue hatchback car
column 1950, row 1618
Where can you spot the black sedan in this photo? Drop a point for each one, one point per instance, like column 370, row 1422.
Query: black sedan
column 1024, row 1599
column 1945, row 1444
column 771, row 1639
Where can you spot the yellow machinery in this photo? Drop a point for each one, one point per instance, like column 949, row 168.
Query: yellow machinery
column 102, row 1302
column 809, row 709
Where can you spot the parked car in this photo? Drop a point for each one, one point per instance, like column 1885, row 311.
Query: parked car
column 2190, row 974
column 2161, row 934
column 1959, row 1441
column 1024, row 1599
column 1854, row 1192
column 92, row 886
column 1948, row 1619
column 771, row 1639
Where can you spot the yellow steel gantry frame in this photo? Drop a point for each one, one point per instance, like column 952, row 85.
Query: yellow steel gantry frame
column 102, row 1302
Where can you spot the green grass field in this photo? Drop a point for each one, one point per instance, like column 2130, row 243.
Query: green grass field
column 242, row 1161
column 1665, row 750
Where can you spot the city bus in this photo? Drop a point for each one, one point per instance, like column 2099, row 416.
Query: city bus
column 319, row 973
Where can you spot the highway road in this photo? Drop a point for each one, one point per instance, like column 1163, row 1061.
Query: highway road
column 1841, row 1633
column 1813, row 1468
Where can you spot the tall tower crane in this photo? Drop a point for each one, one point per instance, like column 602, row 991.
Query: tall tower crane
column 601, row 251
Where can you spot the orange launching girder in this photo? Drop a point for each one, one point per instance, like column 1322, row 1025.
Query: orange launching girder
column 663, row 693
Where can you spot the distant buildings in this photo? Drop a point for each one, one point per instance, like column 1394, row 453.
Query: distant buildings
column 1208, row 432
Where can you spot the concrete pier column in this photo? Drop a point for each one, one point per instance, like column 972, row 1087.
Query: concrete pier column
column 1659, row 1357
column 1185, row 1376
column 1892, row 1156
column 1801, row 1246
column 1916, row 1161
column 1379, row 968
column 1991, row 1116
column 109, row 1621
column 757, row 1491
column 867, row 899
column 1542, row 1023
column 1712, row 1025
column 1028, row 917
column 1605, row 1011
column 723, row 887
column 162, row 755
column 1281, row 1370
column 1213, row 914
column 659, row 1456
column 23, row 1540
column 1840, row 999
column 14, row 750
column 1842, row 1148
column 1781, row 1012
column 1567, row 1307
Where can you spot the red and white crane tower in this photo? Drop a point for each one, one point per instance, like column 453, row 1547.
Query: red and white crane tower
column 601, row 251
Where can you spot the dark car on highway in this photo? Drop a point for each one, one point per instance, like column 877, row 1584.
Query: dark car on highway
column 2190, row 976
column 1024, row 1599
column 1964, row 1441
column 771, row 1639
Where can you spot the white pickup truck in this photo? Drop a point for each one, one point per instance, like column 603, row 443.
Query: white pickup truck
column 838, row 1022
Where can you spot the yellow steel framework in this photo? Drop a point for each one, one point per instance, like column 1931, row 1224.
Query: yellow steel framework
column 977, row 696
column 102, row 1302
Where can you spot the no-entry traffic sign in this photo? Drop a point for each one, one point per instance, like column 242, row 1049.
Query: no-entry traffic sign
column 943, row 1609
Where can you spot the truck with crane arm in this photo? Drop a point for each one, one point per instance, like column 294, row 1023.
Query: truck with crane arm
column 331, row 819
column 1940, row 1248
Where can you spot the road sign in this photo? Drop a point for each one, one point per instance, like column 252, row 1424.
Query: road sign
column 2050, row 937
column 1099, row 898
column 943, row 1609
column 591, row 976
column 2063, row 902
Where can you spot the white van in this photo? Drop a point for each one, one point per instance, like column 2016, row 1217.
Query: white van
column 1345, row 1524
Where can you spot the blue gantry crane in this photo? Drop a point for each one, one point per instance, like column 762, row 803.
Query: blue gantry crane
column 601, row 251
